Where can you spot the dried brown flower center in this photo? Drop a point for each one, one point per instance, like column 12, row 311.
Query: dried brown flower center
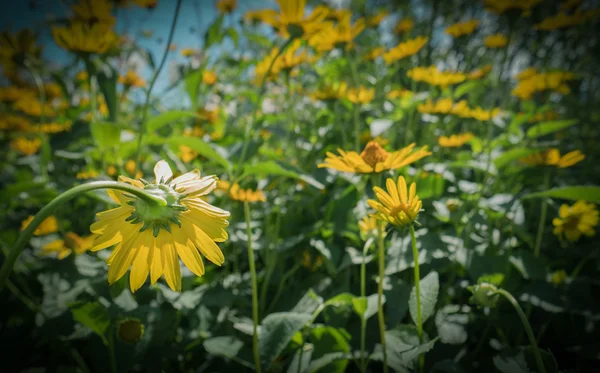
column 373, row 154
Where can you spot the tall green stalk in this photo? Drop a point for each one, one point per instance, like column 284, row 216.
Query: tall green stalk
column 142, row 129
column 47, row 210
column 417, row 292
column 254, row 288
column 42, row 136
column 363, row 320
column 380, row 314
column 543, row 213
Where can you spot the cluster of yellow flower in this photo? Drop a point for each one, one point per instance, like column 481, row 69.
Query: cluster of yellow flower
column 25, row 146
column 404, row 25
column 405, row 49
column 530, row 82
column 552, row 157
column 502, row 6
column 132, row 80
column 461, row 109
column 339, row 34
column 495, row 41
column 462, row 28
column 277, row 62
column 431, row 75
column 565, row 20
column 455, row 141
column 480, row 73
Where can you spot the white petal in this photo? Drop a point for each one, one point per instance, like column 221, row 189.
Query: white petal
column 188, row 176
column 198, row 187
column 162, row 171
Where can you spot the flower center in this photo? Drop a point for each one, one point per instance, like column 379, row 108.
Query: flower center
column 373, row 154
column 153, row 215
column 403, row 207
column 572, row 222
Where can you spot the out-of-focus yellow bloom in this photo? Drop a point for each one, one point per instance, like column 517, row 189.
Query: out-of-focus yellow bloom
column 188, row 52
column 373, row 53
column 311, row 262
column 292, row 21
column 460, row 109
column 209, row 77
column 483, row 114
column 528, row 73
column 72, row 242
column 433, row 76
column 368, row 227
column 404, row 25
column 495, row 41
column 34, row 107
column 405, row 49
column 373, row 159
column 210, row 116
column 334, row 91
column 360, row 95
column 52, row 91
column 246, row 195
column 11, row 122
column 257, row 16
column 286, row 61
column 111, row 170
column 441, row 106
column 82, row 76
column 14, row 49
column 552, row 157
column 376, row 19
column 130, row 168
column 49, row 225
column 539, row 82
column 545, row 116
column 132, row 80
column 398, row 93
column 577, row 220
column 12, row 93
column 96, row 11
column 559, row 277
column 452, row 204
column 480, row 73
column 187, row 154
column 86, row 175
column 502, row 6
column 223, row 186
column 25, row 146
column 85, row 38
column 338, row 35
column 398, row 206
column 455, row 141
column 462, row 28
column 226, row 6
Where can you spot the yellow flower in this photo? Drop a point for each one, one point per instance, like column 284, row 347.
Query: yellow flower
column 209, row 77
column 223, row 186
column 25, row 146
column 210, row 116
column 373, row 53
column 480, row 73
column 462, row 28
column 482, row 114
column 111, row 170
column 405, row 49
column 292, row 21
column 528, row 73
column 14, row 48
column 85, row 38
column 373, row 159
column 502, row 6
column 52, row 91
column 131, row 79
column 246, row 195
column 12, row 93
column 575, row 221
column 559, row 21
column 49, row 225
column 188, row 52
column 14, row 123
column 148, row 4
column 441, row 106
column 33, row 107
column 187, row 154
column 495, row 41
column 559, row 277
column 256, row 16
column 404, row 25
column 398, row 93
column 433, row 76
column 285, row 62
column 72, row 242
column 552, row 157
column 455, row 141
column 97, row 11
column 331, row 92
column 398, row 206
column 151, row 239
column 85, row 175
column 226, row 6
column 339, row 35
column 82, row 76
column 360, row 95
column 544, row 116
column 530, row 84
column 368, row 227
column 310, row 262
column 376, row 19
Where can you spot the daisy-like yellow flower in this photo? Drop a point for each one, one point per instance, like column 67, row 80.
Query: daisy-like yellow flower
column 433, row 76
column 528, row 73
column 404, row 25
column 502, row 6
column 375, row 20
column 132, row 80
column 368, row 227
column 111, row 170
column 187, row 154
column 405, row 49
column 539, row 82
column 360, row 95
column 373, row 159
column 13, row 93
column 462, row 28
column 311, row 262
column 96, row 11
column 398, row 93
column 15, row 47
column 34, row 107
column 25, row 146
column 574, row 221
column 285, row 62
column 559, row 277
column 373, row 53
column 151, row 239
column 552, row 157
column 292, row 21
column 560, row 21
column 246, row 195
column 72, row 242
column 188, row 52
column 226, row 6
column 455, row 141
column 11, row 122
column 85, row 38
column 209, row 77
column 398, row 206
column 86, row 175
column 495, row 41
column 338, row 35
column 333, row 91
column 49, row 225
column 480, row 73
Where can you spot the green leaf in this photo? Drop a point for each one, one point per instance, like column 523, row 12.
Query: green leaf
column 451, row 323
column 201, row 147
column 233, row 34
column 274, row 168
column 309, row 303
column 305, row 353
column 545, row 128
column 521, row 360
column 277, row 330
column 105, row 134
column 573, row 193
column 327, row 340
column 107, row 81
column 93, row 315
column 192, row 86
column 512, row 155
column 366, row 306
column 214, row 33
column 430, row 287
column 465, row 88
column 530, row 266
column 162, row 119
column 341, row 300
column 403, row 348
column 226, row 346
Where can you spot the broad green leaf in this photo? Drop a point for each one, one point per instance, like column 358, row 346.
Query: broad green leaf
column 430, row 287
column 107, row 81
column 451, row 323
column 512, row 155
column 327, row 359
column 192, row 85
column 403, row 348
column 305, row 353
column 227, row 346
column 359, row 304
column 274, row 168
column 214, row 34
column 326, row 340
column 530, row 266
column 522, row 360
column 162, row 119
column 465, row 88
column 200, row 146
column 309, row 303
column 545, row 128
column 105, row 134
column 366, row 306
column 277, row 330
column 340, row 300
column 93, row 315
column 233, row 34
column 573, row 193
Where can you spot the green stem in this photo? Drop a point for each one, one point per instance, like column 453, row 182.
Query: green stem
column 254, row 288
column 299, row 368
column 363, row 320
column 47, row 210
column 142, row 129
column 356, row 106
column 282, row 282
column 380, row 315
column 42, row 136
column 417, row 292
column 543, row 212
column 536, row 352
column 110, row 346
